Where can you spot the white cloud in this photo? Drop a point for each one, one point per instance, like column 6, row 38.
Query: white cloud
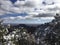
column 27, row 20
column 29, row 6
column 32, row 7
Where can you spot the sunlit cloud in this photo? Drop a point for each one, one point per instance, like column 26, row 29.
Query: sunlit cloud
column 34, row 8
column 29, row 6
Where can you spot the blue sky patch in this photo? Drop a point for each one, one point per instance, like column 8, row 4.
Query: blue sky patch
column 14, row 15
column 13, row 1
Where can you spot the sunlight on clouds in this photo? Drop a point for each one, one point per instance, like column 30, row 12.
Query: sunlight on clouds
column 29, row 7
column 34, row 8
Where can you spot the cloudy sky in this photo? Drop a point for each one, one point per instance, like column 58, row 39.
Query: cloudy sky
column 28, row 9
